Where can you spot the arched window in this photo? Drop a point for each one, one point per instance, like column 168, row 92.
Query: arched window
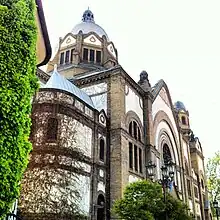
column 130, row 128
column 52, row 129
column 135, row 129
column 101, row 207
column 101, row 150
column 166, row 154
column 183, row 119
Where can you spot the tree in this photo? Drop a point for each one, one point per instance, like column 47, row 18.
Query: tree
column 18, row 83
column 175, row 209
column 143, row 200
column 213, row 175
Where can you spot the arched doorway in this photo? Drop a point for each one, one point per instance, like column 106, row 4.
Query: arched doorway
column 101, row 207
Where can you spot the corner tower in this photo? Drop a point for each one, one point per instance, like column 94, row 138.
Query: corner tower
column 183, row 117
column 86, row 48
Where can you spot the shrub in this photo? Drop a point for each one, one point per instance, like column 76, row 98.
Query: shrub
column 18, row 83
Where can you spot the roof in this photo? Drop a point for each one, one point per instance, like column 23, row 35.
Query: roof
column 57, row 81
column 88, row 25
column 43, row 28
column 179, row 106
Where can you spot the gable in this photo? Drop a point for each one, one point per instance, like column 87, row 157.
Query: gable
column 68, row 40
column 92, row 39
column 111, row 50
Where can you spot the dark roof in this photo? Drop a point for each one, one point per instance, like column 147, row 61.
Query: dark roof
column 179, row 106
column 44, row 32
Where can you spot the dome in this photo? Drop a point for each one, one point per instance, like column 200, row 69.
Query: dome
column 88, row 25
column 179, row 106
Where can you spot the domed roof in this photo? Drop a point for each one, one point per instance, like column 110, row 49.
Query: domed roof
column 179, row 106
column 88, row 25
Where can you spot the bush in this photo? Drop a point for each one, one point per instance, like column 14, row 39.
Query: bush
column 18, row 83
column 143, row 200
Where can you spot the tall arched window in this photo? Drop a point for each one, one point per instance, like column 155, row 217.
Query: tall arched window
column 52, row 129
column 166, row 154
column 102, row 150
column 101, row 207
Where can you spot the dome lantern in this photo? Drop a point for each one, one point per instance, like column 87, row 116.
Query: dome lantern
column 88, row 25
column 88, row 16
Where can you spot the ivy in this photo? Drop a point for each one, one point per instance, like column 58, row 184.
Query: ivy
column 18, row 83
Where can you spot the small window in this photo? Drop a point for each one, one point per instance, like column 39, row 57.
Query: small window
column 85, row 54
column 130, row 128
column 92, row 56
column 140, row 161
column 102, row 150
column 135, row 158
column 71, row 57
column 67, row 57
column 62, row 58
column 135, row 130
column 130, row 156
column 52, row 129
column 98, row 56
column 183, row 120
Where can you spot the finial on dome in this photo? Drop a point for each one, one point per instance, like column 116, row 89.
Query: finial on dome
column 88, row 16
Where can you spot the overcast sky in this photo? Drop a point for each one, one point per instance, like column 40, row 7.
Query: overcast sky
column 174, row 40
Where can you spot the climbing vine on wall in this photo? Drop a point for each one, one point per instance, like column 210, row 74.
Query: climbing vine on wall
column 18, row 83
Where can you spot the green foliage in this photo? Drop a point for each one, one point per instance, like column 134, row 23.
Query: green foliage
column 213, row 175
column 143, row 200
column 175, row 209
column 18, row 83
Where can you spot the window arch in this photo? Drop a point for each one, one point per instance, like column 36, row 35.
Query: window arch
column 52, row 129
column 101, row 150
column 166, row 154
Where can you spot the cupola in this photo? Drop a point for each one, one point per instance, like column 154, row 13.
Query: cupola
column 86, row 48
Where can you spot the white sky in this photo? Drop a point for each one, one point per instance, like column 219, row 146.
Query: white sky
column 178, row 41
